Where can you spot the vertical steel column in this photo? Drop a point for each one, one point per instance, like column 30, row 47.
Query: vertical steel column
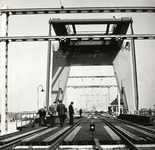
column 118, row 84
column 49, row 70
column 122, row 85
column 4, row 73
column 108, row 96
column 118, row 88
column 92, row 99
column 65, row 84
column 60, row 90
column 75, row 106
column 135, row 80
column 65, row 96
column 119, row 103
column 106, row 102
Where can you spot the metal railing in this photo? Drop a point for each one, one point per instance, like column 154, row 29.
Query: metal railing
column 145, row 112
column 25, row 118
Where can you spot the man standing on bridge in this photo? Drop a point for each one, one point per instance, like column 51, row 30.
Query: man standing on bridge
column 71, row 113
column 61, row 109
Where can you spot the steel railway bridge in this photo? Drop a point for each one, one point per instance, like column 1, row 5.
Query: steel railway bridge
column 74, row 47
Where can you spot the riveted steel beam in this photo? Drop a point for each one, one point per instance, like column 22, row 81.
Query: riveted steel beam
column 78, row 38
column 33, row 11
column 92, row 86
column 91, row 77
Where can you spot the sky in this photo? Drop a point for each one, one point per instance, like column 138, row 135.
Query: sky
column 27, row 60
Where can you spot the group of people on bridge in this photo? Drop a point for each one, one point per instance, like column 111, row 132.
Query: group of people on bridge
column 57, row 108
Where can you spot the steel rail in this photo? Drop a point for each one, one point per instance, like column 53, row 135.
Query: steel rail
column 77, row 38
column 125, row 140
column 17, row 141
column 33, row 11
column 138, row 126
column 11, row 144
column 55, row 144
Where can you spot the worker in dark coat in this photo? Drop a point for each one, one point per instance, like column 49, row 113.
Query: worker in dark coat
column 71, row 113
column 61, row 109
column 42, row 115
column 80, row 112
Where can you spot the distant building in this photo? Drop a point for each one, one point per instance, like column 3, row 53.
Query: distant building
column 114, row 106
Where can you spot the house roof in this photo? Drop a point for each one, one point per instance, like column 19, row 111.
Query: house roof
column 115, row 102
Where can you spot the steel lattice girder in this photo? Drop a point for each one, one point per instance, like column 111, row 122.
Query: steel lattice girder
column 78, row 38
column 31, row 11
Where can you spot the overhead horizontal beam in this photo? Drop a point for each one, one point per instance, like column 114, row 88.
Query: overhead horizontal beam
column 32, row 11
column 92, row 86
column 92, row 95
column 91, row 77
column 91, row 21
column 77, row 38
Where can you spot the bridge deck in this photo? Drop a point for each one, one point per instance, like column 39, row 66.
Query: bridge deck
column 81, row 135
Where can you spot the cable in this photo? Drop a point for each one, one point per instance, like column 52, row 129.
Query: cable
column 94, row 89
column 100, row 90
column 83, row 89
column 62, row 7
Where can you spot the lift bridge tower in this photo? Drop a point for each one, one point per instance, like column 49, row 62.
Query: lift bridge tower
column 88, row 50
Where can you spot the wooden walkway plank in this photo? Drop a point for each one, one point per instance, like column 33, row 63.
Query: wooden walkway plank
column 113, row 135
column 52, row 137
column 133, row 136
column 72, row 135
column 21, row 135
column 39, row 134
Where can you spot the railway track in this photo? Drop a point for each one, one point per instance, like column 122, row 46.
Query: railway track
column 11, row 140
column 123, row 137
column 133, row 136
column 21, row 140
column 109, row 133
column 151, row 130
